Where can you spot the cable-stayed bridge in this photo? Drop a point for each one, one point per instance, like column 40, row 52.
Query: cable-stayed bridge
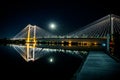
column 99, row 32
column 33, row 32
column 97, row 29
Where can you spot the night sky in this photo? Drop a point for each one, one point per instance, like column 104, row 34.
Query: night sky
column 67, row 15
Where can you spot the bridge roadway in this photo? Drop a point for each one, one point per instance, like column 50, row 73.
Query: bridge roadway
column 99, row 66
column 69, row 40
column 71, row 43
column 53, row 40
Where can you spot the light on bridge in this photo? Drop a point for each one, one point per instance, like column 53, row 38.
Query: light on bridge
column 95, row 43
column 69, row 43
column 103, row 44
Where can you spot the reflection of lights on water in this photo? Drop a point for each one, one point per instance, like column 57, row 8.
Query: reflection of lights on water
column 51, row 60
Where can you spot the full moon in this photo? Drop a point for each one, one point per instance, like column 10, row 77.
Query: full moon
column 52, row 26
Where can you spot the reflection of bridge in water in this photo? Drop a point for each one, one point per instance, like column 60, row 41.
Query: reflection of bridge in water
column 99, row 33
column 31, row 53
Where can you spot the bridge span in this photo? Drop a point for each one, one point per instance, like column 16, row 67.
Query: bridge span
column 73, row 40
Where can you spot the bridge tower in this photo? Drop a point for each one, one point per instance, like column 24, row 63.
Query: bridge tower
column 30, row 38
column 111, row 27
column 111, row 42
column 34, row 36
column 28, row 33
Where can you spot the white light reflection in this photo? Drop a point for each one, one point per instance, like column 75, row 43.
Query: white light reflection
column 31, row 53
column 51, row 60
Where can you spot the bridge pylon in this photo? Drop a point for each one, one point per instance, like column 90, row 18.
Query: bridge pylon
column 30, row 55
column 111, row 27
column 29, row 32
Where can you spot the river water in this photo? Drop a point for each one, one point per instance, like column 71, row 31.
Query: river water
column 47, row 63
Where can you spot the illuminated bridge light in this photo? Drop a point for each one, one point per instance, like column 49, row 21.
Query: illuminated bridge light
column 103, row 44
column 62, row 41
column 95, row 43
column 69, row 43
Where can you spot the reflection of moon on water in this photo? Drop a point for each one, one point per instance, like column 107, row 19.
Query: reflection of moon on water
column 51, row 60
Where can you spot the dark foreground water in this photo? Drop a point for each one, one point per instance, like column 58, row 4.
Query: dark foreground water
column 62, row 67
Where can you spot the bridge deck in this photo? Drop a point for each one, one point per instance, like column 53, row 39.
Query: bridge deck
column 99, row 66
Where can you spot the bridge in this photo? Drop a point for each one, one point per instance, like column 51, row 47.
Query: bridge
column 98, row 32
